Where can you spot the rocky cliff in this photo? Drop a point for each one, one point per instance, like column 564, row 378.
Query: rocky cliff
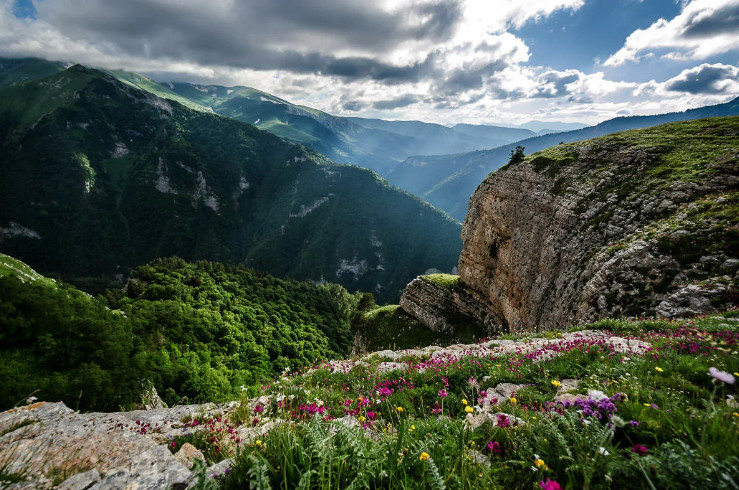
column 643, row 222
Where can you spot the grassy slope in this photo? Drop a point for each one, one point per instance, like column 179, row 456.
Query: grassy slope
column 665, row 424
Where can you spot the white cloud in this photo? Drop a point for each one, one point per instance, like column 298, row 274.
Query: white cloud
column 704, row 28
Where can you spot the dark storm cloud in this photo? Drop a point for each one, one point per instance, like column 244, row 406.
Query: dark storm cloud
column 703, row 79
column 256, row 33
column 725, row 20
column 402, row 101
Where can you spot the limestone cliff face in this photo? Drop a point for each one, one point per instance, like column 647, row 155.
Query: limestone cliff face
column 640, row 222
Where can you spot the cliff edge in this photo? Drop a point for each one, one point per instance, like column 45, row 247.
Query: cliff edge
column 644, row 222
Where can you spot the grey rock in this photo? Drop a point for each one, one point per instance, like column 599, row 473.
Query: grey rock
column 151, row 470
column 80, row 481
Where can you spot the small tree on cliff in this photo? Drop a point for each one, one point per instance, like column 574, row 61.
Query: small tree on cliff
column 517, row 155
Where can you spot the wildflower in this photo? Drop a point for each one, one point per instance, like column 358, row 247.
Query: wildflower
column 258, row 409
column 413, row 427
column 494, row 447
column 735, row 414
column 424, row 456
column 736, row 374
column 550, row 485
column 258, row 442
column 443, row 393
column 658, row 369
column 464, row 401
column 469, row 409
column 514, row 401
column 556, row 383
column 646, row 404
column 604, row 451
column 399, row 409
column 721, row 376
column 361, row 418
column 640, row 449
column 541, row 464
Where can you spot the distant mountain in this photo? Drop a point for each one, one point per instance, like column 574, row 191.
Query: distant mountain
column 15, row 71
column 551, row 126
column 433, row 139
column 97, row 177
column 448, row 181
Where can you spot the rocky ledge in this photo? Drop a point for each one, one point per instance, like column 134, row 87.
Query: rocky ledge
column 637, row 223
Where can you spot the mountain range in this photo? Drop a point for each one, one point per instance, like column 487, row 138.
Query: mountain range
column 448, row 181
column 98, row 176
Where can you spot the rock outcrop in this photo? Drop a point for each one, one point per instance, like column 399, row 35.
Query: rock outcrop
column 446, row 308
column 637, row 223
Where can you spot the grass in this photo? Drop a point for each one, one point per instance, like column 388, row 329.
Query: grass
column 645, row 419
column 10, row 266
column 444, row 281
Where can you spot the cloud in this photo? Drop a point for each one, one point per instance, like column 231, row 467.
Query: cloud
column 396, row 103
column 704, row 28
column 706, row 79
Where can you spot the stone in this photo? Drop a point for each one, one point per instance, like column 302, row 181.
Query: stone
column 80, row 481
column 188, row 454
column 153, row 469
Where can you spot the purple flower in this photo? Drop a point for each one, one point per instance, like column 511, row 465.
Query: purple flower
column 633, row 423
column 443, row 393
column 721, row 376
column 640, row 449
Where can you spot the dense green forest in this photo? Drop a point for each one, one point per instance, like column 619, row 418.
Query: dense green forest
column 198, row 331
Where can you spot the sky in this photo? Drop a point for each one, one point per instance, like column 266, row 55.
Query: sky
column 443, row 61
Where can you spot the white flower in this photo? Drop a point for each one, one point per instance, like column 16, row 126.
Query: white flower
column 603, row 451
column 243, row 388
column 31, row 399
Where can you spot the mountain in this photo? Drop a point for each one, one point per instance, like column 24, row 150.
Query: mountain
column 637, row 223
column 15, row 71
column 97, row 177
column 448, row 181
column 434, row 139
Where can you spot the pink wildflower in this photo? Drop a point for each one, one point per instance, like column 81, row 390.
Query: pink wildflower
column 443, row 393
column 550, row 485
column 640, row 449
column 494, row 447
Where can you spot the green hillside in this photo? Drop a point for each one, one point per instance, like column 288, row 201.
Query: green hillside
column 98, row 177
column 197, row 331
column 17, row 71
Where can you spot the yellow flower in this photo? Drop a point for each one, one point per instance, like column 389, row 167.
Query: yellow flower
column 361, row 418
column 469, row 409
column 514, row 401
column 399, row 409
column 736, row 374
column 464, row 401
column 497, row 365
column 556, row 383
column 258, row 442
column 735, row 414
column 424, row 456
column 541, row 464
column 413, row 427
column 659, row 369
column 646, row 404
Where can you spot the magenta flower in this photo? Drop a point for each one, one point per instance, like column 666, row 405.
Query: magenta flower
column 721, row 376
column 258, row 409
column 494, row 447
column 503, row 420
column 550, row 485
column 443, row 393
column 640, row 449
